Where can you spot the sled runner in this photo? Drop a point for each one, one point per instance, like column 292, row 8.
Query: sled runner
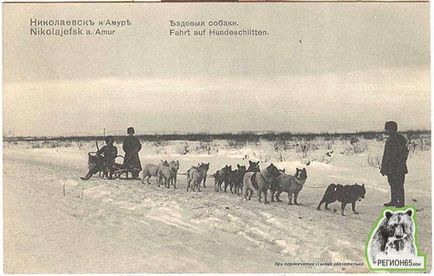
column 119, row 170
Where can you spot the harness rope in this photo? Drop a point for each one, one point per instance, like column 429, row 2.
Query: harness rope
column 325, row 186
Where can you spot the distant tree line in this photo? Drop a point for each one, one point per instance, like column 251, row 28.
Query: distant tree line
column 242, row 136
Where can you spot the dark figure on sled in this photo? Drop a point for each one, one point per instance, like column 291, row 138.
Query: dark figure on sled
column 103, row 160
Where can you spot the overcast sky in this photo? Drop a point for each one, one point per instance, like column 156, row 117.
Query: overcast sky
column 324, row 67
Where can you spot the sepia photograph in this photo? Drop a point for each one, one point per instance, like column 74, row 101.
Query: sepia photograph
column 216, row 137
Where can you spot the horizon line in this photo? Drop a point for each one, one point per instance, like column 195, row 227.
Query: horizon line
column 204, row 133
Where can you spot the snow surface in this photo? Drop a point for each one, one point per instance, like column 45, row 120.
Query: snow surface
column 122, row 226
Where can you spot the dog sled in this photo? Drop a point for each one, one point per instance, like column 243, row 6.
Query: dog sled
column 115, row 170
column 122, row 171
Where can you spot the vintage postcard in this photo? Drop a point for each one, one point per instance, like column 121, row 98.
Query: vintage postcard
column 216, row 137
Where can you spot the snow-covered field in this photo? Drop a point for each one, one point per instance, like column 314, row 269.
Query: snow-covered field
column 125, row 226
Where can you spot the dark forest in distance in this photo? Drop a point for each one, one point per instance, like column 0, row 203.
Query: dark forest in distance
column 242, row 136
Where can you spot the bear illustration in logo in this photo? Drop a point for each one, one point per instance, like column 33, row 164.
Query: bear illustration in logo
column 394, row 237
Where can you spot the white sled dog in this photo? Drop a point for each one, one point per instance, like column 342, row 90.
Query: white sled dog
column 151, row 170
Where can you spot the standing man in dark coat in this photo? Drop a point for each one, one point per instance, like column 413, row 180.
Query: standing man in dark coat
column 394, row 164
column 131, row 147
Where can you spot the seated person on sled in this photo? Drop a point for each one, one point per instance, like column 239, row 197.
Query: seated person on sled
column 104, row 160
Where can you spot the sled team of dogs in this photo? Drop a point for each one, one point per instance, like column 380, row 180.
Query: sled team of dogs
column 254, row 180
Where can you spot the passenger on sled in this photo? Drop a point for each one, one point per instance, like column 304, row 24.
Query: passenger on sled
column 103, row 160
